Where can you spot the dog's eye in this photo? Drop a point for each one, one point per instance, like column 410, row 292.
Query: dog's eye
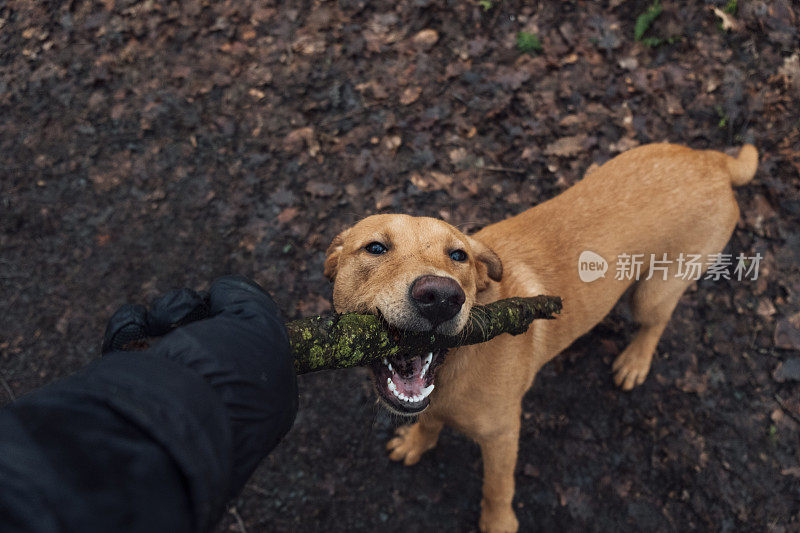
column 458, row 255
column 376, row 248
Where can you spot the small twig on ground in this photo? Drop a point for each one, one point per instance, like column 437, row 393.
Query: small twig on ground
column 494, row 168
column 238, row 518
column 7, row 388
column 786, row 408
column 258, row 490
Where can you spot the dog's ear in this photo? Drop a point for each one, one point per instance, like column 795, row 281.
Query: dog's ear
column 332, row 256
column 489, row 264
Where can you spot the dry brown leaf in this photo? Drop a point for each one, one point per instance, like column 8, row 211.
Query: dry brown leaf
column 296, row 139
column 287, row 214
column 410, row 95
column 791, row 71
column 623, row 145
column 765, row 308
column 793, row 471
column 787, row 332
column 788, row 370
column 529, row 153
column 321, row 188
column 385, row 199
column 418, row 181
column 392, row 142
column 566, row 146
column 309, row 44
column 441, row 180
column 674, row 106
column 425, row 38
column 458, row 155
column 728, row 22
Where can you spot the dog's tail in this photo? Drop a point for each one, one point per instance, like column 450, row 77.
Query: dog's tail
column 743, row 168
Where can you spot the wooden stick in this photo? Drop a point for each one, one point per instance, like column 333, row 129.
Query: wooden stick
column 347, row 340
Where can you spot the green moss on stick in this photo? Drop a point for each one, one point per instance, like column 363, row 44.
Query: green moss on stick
column 343, row 341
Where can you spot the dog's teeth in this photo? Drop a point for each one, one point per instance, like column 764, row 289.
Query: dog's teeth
column 429, row 358
column 385, row 361
column 426, row 391
column 390, row 384
column 390, row 367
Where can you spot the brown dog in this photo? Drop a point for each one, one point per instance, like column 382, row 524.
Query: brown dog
column 422, row 274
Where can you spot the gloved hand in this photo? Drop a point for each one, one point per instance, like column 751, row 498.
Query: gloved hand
column 132, row 324
column 242, row 351
column 156, row 440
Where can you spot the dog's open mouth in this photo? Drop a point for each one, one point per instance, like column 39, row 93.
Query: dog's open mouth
column 405, row 383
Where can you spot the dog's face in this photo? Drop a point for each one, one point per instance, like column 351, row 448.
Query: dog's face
column 419, row 274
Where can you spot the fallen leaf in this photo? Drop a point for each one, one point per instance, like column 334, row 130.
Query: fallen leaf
column 309, row 44
column 529, row 153
column 385, row 199
column 760, row 212
column 530, row 470
column 793, row 471
column 787, row 332
column 418, row 181
column 287, row 214
column 791, row 71
column 62, row 325
column 728, row 22
column 765, row 308
column 425, row 39
column 392, row 142
column 623, row 145
column 788, row 370
column 692, row 382
column 441, row 180
column 296, row 139
column 410, row 95
column 566, row 146
column 320, row 188
column 674, row 106
column 458, row 156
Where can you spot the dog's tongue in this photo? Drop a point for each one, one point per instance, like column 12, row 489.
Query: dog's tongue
column 406, row 379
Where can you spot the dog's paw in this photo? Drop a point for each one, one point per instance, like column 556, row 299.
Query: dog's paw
column 409, row 444
column 631, row 367
column 497, row 519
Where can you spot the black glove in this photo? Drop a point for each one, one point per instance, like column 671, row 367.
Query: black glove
column 133, row 323
column 156, row 440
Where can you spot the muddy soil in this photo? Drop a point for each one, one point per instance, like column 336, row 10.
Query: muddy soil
column 148, row 145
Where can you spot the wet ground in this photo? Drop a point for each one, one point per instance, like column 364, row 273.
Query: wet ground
column 150, row 145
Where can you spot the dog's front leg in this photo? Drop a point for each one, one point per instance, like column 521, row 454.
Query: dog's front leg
column 499, row 460
column 411, row 441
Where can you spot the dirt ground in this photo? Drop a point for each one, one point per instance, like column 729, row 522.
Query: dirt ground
column 154, row 144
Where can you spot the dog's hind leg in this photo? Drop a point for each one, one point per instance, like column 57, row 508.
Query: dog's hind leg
column 652, row 304
column 412, row 440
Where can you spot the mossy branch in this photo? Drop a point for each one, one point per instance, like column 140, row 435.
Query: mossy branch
column 346, row 340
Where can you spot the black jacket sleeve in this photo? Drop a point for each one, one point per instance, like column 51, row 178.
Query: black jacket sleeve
column 156, row 440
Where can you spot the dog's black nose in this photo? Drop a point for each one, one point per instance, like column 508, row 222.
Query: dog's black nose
column 437, row 298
